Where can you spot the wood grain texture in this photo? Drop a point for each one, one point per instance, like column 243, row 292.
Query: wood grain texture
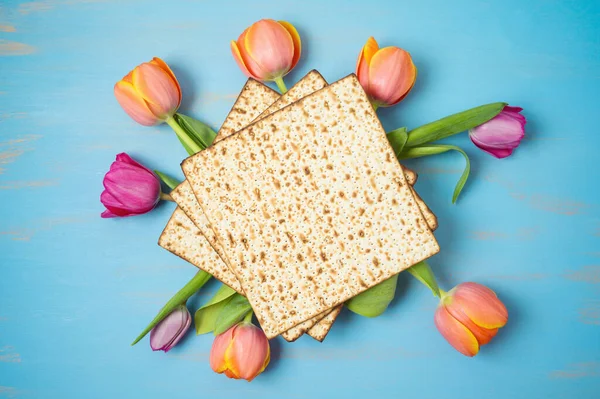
column 76, row 289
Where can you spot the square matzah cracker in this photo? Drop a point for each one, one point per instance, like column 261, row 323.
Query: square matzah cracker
column 311, row 206
column 184, row 239
column 184, row 196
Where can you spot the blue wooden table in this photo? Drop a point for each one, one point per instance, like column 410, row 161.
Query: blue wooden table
column 76, row 289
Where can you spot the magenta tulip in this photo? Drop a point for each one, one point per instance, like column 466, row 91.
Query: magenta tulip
column 129, row 188
column 170, row 330
column 501, row 135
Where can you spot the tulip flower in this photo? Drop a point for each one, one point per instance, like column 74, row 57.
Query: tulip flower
column 242, row 352
column 386, row 74
column 268, row 50
column 129, row 188
column 170, row 330
column 502, row 134
column 150, row 93
column 469, row 316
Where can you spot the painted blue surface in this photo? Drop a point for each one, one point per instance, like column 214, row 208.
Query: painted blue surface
column 76, row 289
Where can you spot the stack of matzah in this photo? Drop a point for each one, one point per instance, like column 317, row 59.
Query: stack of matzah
column 300, row 204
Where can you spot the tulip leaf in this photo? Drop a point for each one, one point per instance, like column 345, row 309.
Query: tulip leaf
column 206, row 316
column 180, row 297
column 422, row 272
column 198, row 131
column 374, row 301
column 453, row 124
column 168, row 180
column 234, row 311
column 433, row 149
column 397, row 139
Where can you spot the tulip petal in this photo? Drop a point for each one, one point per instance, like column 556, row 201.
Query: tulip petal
column 220, row 346
column 163, row 65
column 392, row 74
column 108, row 214
column 237, row 56
column 157, row 88
column 456, row 333
column 483, row 335
column 249, row 352
column 296, row 39
column 270, row 46
column 481, row 305
column 370, row 49
column 133, row 104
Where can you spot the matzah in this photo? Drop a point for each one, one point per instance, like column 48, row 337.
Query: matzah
column 254, row 98
column 186, row 199
column 242, row 111
column 313, row 214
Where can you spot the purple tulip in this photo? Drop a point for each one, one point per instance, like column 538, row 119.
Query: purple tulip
column 502, row 134
column 170, row 330
column 129, row 188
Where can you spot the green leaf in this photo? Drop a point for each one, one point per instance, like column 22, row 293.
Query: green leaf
column 180, row 297
column 374, row 301
column 168, row 180
column 434, row 149
column 206, row 316
column 198, row 131
column 234, row 311
column 397, row 139
column 422, row 272
column 453, row 124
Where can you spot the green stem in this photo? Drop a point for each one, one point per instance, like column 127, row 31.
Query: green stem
column 248, row 317
column 166, row 197
column 180, row 297
column 279, row 82
column 183, row 136
column 375, row 106
column 422, row 272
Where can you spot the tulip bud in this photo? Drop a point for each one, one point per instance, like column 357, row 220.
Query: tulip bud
column 386, row 74
column 150, row 93
column 242, row 352
column 129, row 188
column 469, row 316
column 267, row 50
column 170, row 330
column 502, row 134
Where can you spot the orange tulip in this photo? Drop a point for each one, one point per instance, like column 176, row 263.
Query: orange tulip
column 386, row 74
column 242, row 352
column 267, row 50
column 150, row 94
column 469, row 316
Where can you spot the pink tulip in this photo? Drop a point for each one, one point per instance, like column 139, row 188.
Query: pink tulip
column 267, row 50
column 150, row 93
column 502, row 134
column 242, row 352
column 170, row 330
column 469, row 316
column 129, row 188
column 386, row 74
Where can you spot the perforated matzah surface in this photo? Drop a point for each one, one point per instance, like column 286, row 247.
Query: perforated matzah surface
column 312, row 214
